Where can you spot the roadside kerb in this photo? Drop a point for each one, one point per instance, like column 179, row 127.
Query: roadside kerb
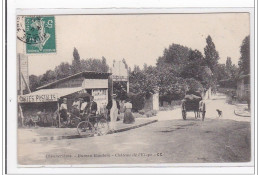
column 134, row 127
column 241, row 115
column 50, row 138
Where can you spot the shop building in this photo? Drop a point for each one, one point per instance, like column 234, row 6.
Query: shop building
column 47, row 98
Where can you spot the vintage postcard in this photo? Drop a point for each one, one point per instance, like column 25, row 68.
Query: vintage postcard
column 134, row 89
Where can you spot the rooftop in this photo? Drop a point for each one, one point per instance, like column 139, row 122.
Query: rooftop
column 85, row 74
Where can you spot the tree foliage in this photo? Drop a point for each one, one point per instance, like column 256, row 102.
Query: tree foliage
column 76, row 62
column 211, row 54
column 34, row 82
column 65, row 69
column 244, row 61
column 76, row 56
column 143, row 82
column 94, row 65
column 193, row 67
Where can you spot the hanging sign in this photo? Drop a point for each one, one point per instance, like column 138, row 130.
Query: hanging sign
column 37, row 98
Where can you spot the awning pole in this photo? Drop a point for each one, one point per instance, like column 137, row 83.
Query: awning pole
column 21, row 114
column 58, row 112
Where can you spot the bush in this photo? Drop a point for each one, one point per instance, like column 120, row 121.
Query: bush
column 149, row 114
column 154, row 112
column 137, row 115
column 176, row 103
column 162, row 108
column 137, row 100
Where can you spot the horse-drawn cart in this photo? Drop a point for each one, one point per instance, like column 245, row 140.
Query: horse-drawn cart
column 193, row 103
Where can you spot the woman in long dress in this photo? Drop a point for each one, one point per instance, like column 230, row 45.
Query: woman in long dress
column 128, row 116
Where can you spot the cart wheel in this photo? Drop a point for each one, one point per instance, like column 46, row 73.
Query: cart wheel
column 74, row 122
column 184, row 115
column 102, row 127
column 85, row 128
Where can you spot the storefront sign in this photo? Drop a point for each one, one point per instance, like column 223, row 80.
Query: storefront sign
column 119, row 78
column 37, row 98
column 101, row 98
column 95, row 83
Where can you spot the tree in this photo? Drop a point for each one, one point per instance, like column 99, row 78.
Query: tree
column 76, row 56
column 171, row 87
column 142, row 82
column 175, row 58
column 211, row 54
column 48, row 77
column 231, row 69
column 176, row 54
column 207, row 77
column 63, row 70
column 34, row 82
column 228, row 63
column 76, row 64
column 120, row 89
column 137, row 68
column 193, row 68
column 96, row 65
column 221, row 72
column 104, row 65
column 244, row 61
column 145, row 66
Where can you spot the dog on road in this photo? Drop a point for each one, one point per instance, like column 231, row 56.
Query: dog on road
column 219, row 113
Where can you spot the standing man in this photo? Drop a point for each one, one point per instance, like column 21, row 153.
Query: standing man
column 113, row 107
column 83, row 105
column 64, row 110
column 92, row 107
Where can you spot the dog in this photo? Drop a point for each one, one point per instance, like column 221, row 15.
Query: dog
column 219, row 113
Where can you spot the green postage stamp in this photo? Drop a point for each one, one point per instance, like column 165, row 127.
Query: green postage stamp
column 40, row 34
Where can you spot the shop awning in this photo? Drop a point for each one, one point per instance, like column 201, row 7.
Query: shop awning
column 47, row 95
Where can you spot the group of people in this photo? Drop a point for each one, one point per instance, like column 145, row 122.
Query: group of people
column 113, row 108
column 80, row 107
column 88, row 107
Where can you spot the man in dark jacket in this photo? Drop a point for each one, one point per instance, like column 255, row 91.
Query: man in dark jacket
column 91, row 108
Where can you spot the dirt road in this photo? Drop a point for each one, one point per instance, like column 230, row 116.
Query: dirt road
column 171, row 140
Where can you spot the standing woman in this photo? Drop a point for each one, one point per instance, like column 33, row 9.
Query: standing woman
column 113, row 107
column 128, row 117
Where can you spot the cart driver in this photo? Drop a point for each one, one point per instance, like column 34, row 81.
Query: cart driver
column 76, row 103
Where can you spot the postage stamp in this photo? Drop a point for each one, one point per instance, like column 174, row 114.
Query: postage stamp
column 40, row 34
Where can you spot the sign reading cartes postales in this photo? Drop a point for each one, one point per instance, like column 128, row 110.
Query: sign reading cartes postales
column 40, row 34
column 37, row 98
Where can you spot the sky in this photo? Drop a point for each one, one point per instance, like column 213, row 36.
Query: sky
column 140, row 39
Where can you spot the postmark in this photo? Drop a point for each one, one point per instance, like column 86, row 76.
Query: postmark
column 38, row 33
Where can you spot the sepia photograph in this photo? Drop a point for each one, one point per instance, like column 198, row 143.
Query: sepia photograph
column 111, row 89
